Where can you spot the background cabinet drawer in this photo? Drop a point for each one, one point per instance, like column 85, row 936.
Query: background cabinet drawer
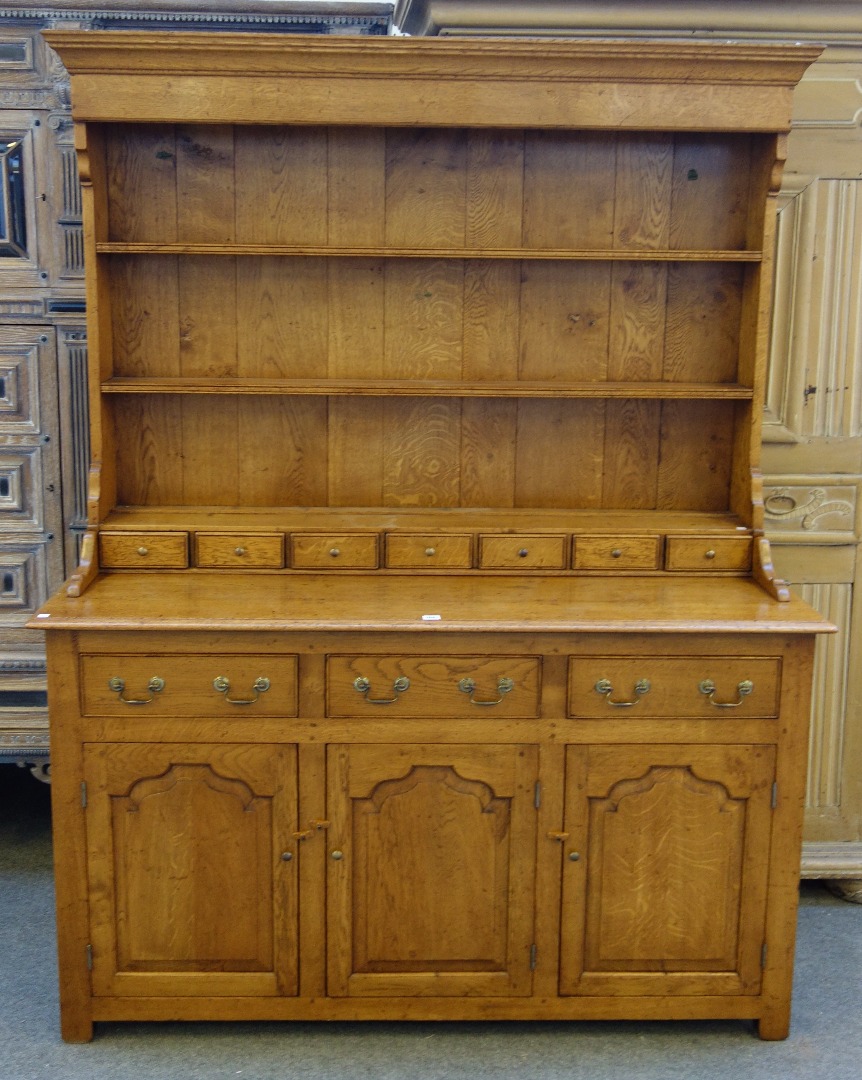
column 708, row 553
column 429, row 550
column 523, row 552
column 616, row 553
column 180, row 685
column 433, row 686
column 334, row 550
column 161, row 550
column 236, row 549
column 626, row 686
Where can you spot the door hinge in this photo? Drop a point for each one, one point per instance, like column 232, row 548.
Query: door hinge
column 89, row 952
column 774, row 802
column 763, row 953
column 537, row 794
column 84, row 794
column 533, row 955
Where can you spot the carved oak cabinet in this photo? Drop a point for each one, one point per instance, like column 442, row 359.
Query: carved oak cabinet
column 426, row 660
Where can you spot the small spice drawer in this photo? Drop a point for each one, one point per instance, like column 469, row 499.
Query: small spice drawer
column 663, row 686
column 357, row 551
column 428, row 551
column 159, row 550
column 237, row 550
column 616, row 553
column 433, row 686
column 519, row 551
column 708, row 553
column 210, row 684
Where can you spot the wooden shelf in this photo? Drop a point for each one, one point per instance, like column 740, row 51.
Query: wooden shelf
column 568, row 254
column 431, row 388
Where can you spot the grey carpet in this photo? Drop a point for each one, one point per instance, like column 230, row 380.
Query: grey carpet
column 825, row 1041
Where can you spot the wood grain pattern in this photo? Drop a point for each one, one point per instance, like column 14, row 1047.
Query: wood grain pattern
column 420, row 938
column 359, row 304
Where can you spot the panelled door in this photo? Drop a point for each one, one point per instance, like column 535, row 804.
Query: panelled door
column 665, row 873
column 431, row 870
column 192, row 869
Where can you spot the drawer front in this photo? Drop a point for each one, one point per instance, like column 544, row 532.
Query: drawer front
column 616, row 553
column 523, row 552
column 238, row 550
column 708, row 553
column 122, row 684
column 160, row 550
column 334, row 551
column 428, row 551
column 433, row 686
column 620, row 687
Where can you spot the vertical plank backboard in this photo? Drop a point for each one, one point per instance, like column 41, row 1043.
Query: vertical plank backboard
column 422, row 441
column 356, row 479
column 144, row 304
column 559, row 454
column 489, row 431
column 495, row 189
column 694, row 455
column 491, row 320
column 631, row 455
column 426, row 187
column 207, row 316
column 356, row 318
column 149, row 450
column 565, row 308
column 206, row 181
column 424, row 319
column 287, row 437
column 357, row 187
column 268, row 322
column 703, row 322
column 568, row 199
column 710, row 192
column 281, row 199
column 644, row 172
column 142, row 183
column 211, row 450
column 637, row 323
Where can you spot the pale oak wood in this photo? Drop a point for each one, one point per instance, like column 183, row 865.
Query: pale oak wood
column 371, row 320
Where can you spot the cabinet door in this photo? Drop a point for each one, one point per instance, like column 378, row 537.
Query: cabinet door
column 665, row 869
column 190, row 891
column 431, row 869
